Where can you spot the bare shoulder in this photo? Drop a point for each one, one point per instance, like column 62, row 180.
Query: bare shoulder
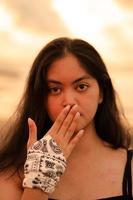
column 132, row 170
column 10, row 186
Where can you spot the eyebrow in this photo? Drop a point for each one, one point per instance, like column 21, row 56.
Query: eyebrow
column 77, row 80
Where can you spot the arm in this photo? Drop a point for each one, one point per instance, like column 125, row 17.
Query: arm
column 46, row 158
column 34, row 194
column 132, row 172
column 10, row 187
column 62, row 131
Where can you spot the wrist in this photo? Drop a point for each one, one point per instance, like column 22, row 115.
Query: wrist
column 44, row 165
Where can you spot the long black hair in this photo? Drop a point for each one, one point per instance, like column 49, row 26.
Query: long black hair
column 108, row 123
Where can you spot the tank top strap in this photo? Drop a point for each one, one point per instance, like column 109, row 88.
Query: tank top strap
column 127, row 178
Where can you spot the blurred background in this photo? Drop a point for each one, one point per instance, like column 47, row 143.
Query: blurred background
column 26, row 26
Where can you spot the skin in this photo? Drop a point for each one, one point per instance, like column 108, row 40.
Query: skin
column 71, row 105
column 65, row 141
column 69, row 84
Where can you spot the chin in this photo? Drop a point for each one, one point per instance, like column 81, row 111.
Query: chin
column 79, row 127
column 82, row 125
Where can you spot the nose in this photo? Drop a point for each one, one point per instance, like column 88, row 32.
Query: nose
column 69, row 98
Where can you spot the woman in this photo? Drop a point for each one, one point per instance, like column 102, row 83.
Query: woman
column 83, row 144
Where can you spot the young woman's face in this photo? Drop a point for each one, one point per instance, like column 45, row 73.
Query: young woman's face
column 68, row 84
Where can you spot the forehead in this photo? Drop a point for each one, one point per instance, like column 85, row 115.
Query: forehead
column 66, row 67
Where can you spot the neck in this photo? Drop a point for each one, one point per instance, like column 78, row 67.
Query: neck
column 90, row 142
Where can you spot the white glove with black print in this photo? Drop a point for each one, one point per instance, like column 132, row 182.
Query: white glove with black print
column 44, row 165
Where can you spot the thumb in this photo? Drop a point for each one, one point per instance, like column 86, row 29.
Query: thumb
column 32, row 132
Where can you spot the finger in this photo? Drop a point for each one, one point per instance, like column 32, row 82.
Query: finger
column 57, row 124
column 32, row 132
column 73, row 142
column 71, row 129
column 67, row 122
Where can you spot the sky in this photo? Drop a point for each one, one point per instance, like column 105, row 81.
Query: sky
column 26, row 26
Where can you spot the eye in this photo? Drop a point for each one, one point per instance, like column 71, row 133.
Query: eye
column 82, row 87
column 54, row 90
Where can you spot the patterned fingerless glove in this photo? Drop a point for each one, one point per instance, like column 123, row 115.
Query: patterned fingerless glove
column 44, row 165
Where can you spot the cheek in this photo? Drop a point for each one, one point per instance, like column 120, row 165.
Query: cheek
column 90, row 105
column 53, row 108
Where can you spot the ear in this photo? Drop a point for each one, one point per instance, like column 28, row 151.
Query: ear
column 100, row 97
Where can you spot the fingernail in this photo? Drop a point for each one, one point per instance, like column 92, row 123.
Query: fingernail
column 74, row 106
column 78, row 114
column 67, row 107
column 29, row 119
column 30, row 122
column 81, row 132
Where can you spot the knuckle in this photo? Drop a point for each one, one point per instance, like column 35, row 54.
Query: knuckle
column 70, row 131
column 59, row 120
column 72, row 128
column 58, row 140
column 66, row 123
